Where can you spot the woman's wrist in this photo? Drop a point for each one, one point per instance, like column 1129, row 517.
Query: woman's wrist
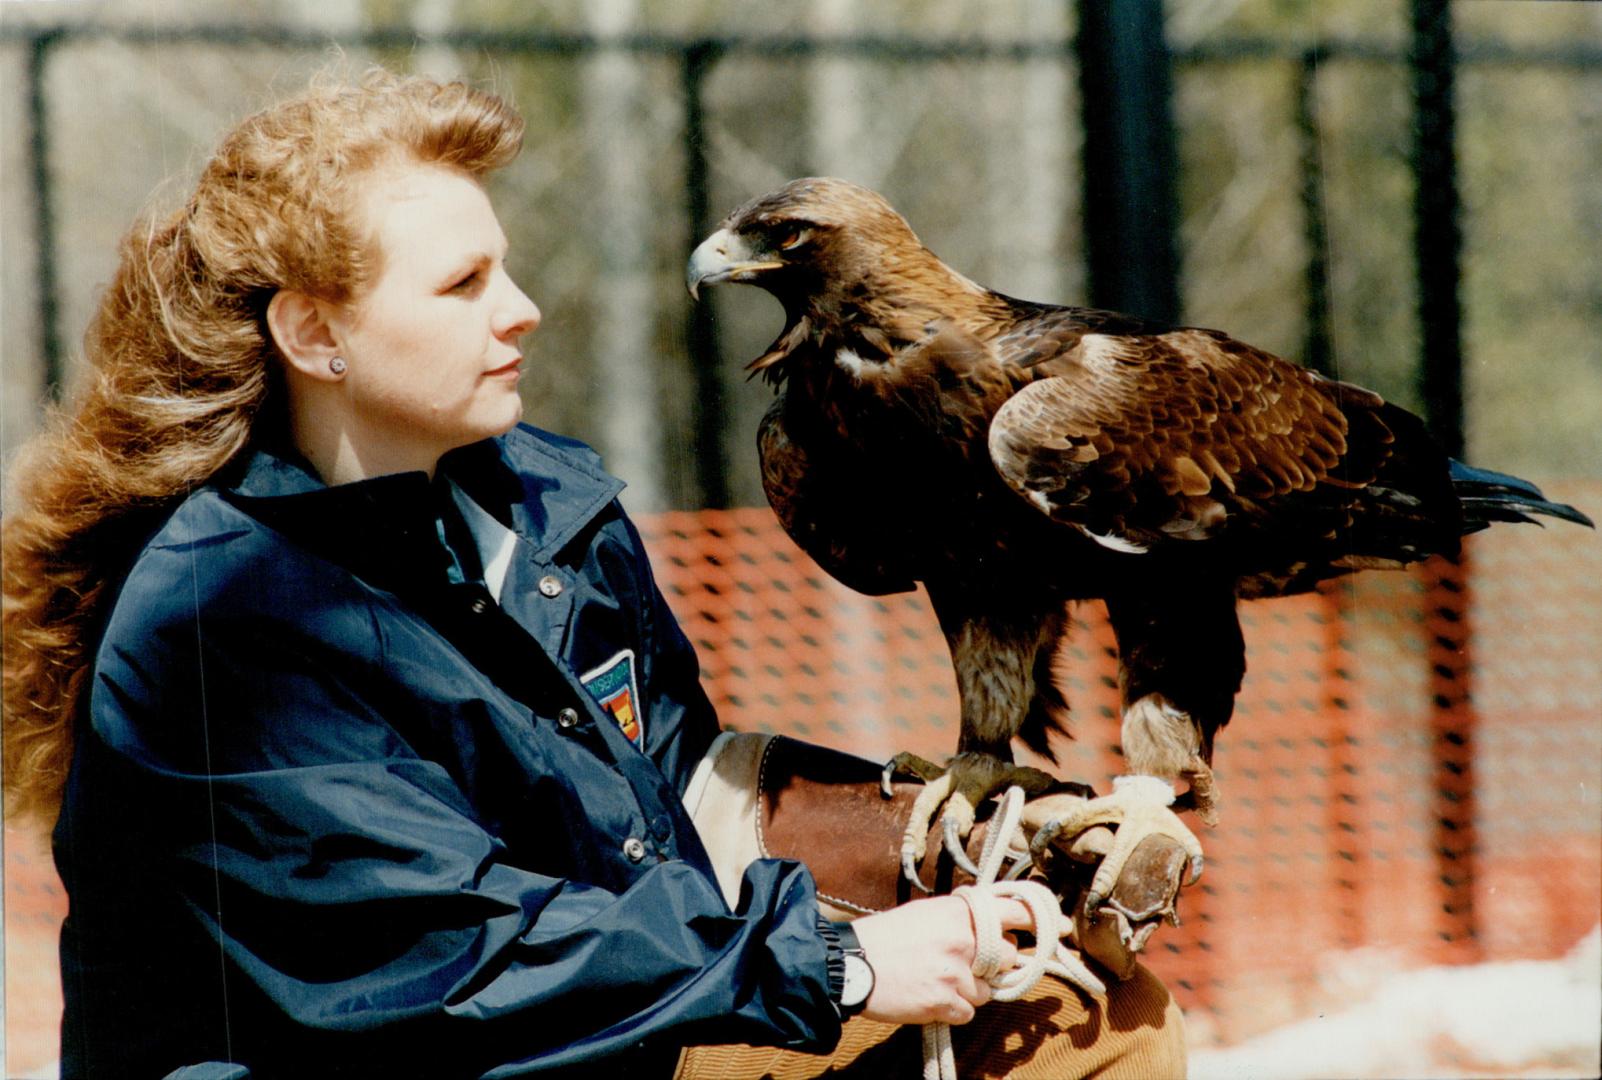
column 850, row 976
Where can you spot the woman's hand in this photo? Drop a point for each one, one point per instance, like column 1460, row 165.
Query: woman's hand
column 922, row 956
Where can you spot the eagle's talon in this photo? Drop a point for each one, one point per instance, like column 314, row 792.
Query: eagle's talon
column 955, row 846
column 909, row 870
column 1043, row 838
column 919, row 820
column 956, row 822
column 910, row 766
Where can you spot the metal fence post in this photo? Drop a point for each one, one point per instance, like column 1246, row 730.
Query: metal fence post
column 1454, row 724
column 1437, row 246
column 1318, row 350
column 44, row 216
column 1437, row 232
column 1130, row 161
column 1346, row 815
column 711, row 462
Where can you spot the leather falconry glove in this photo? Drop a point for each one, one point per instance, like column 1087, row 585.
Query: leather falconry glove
column 764, row 796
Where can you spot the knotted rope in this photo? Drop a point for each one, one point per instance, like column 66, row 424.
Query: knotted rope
column 1050, row 955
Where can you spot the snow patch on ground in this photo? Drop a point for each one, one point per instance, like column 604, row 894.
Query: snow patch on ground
column 1525, row 1018
column 1515, row 1019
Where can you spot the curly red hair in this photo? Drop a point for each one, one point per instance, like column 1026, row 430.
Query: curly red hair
column 181, row 369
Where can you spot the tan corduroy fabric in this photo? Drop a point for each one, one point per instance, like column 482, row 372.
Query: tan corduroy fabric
column 1053, row 1033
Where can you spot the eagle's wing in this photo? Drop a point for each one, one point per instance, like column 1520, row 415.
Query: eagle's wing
column 828, row 511
column 1143, row 439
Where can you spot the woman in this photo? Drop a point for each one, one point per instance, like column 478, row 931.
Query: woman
column 300, row 626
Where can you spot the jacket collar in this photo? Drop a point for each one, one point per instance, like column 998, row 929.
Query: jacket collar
column 544, row 488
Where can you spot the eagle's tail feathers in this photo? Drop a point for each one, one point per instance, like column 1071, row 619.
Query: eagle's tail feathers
column 1487, row 496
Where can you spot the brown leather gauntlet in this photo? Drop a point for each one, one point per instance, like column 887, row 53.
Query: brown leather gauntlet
column 825, row 809
column 789, row 799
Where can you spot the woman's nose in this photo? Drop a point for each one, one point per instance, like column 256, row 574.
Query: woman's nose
column 520, row 316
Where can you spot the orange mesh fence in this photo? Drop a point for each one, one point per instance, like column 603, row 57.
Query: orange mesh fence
column 1414, row 764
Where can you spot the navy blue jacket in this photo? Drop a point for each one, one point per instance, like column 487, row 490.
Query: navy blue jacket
column 330, row 814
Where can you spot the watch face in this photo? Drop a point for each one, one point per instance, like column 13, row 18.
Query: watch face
column 858, row 981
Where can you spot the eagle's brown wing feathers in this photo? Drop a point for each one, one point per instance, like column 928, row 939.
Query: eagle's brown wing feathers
column 1151, row 438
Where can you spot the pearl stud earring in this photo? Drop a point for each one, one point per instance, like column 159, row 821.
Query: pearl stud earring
column 337, row 365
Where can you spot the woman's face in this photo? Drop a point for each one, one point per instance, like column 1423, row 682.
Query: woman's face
column 431, row 346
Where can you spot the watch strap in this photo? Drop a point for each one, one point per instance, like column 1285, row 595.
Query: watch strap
column 840, row 938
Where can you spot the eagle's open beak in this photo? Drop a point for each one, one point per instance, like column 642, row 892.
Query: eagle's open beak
column 723, row 256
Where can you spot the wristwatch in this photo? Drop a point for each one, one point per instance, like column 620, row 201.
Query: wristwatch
column 850, row 975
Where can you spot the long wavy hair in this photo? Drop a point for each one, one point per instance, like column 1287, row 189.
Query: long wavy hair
column 181, row 369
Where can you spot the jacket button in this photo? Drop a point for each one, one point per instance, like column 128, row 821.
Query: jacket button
column 478, row 606
column 550, row 586
column 567, row 718
column 634, row 849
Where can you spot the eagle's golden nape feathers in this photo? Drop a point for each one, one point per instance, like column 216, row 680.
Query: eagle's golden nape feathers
column 826, row 201
column 839, row 255
column 1015, row 456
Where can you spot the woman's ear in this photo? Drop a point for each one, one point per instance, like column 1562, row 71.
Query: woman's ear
column 301, row 329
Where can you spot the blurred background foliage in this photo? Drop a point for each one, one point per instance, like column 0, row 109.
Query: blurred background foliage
column 981, row 155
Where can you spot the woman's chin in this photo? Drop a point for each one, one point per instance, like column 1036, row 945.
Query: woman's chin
column 502, row 418
column 513, row 415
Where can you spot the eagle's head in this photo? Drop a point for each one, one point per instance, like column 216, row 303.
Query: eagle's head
column 835, row 254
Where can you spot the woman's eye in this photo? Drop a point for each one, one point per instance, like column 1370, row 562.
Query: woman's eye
column 466, row 283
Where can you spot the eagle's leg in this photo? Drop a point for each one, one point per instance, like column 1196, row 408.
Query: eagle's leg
column 1162, row 740
column 1203, row 794
column 1181, row 660
column 1002, row 671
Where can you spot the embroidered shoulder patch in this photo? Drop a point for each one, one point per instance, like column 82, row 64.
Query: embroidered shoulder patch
column 613, row 687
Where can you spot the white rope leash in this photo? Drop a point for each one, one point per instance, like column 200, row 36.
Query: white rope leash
column 1050, row 955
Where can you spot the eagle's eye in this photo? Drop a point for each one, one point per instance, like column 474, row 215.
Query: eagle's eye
column 792, row 239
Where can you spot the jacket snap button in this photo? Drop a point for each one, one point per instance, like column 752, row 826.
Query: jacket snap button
column 478, row 606
column 567, row 717
column 550, row 586
column 634, row 849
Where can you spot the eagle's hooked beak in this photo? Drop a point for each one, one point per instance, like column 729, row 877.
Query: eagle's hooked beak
column 724, row 256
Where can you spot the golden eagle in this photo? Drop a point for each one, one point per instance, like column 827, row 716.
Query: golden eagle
column 1016, row 456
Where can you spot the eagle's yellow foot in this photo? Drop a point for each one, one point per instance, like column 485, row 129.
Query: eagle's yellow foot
column 956, row 791
column 1139, row 807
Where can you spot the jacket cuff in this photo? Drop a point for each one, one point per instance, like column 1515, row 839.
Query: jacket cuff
column 833, row 962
